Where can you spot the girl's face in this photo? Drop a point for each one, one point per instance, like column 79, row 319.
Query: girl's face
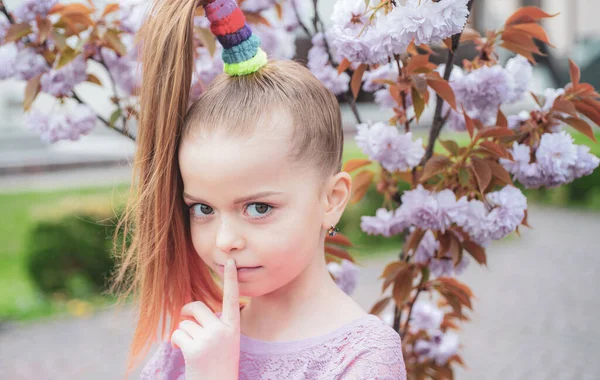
column 248, row 202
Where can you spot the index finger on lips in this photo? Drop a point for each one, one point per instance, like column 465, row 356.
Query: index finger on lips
column 200, row 312
column 231, row 295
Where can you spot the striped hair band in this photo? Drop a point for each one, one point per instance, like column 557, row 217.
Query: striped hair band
column 242, row 54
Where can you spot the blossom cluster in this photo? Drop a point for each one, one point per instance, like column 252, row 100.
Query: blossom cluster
column 439, row 346
column 123, row 69
column 394, row 150
column 557, row 160
column 29, row 9
column 60, row 82
column 21, row 63
column 482, row 91
column 62, row 125
column 345, row 275
column 322, row 68
column 363, row 35
column 500, row 214
column 439, row 266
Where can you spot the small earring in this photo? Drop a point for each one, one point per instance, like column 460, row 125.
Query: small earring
column 333, row 230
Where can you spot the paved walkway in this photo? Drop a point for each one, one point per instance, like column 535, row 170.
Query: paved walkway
column 535, row 316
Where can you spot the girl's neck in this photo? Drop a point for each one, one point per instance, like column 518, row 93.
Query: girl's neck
column 311, row 304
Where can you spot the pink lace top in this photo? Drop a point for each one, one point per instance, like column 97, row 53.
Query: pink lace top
column 366, row 348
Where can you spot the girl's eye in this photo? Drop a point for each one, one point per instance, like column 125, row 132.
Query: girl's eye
column 257, row 210
column 203, row 210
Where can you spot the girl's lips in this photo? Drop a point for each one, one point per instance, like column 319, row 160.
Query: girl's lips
column 242, row 272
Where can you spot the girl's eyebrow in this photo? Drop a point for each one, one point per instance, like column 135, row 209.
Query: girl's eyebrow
column 240, row 200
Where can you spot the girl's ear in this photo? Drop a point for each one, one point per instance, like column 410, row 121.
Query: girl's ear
column 337, row 195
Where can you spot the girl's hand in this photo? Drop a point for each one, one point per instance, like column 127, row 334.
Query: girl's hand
column 211, row 347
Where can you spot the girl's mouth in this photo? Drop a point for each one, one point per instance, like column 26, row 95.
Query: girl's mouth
column 243, row 272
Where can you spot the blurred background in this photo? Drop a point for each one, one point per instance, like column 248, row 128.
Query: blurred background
column 535, row 310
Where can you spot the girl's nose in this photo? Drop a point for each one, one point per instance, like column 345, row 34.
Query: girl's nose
column 229, row 237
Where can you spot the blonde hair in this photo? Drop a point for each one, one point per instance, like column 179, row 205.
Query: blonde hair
column 160, row 266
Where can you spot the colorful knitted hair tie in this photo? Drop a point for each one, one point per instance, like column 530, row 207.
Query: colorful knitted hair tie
column 242, row 54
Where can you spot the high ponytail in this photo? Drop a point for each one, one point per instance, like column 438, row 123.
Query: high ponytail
column 160, row 268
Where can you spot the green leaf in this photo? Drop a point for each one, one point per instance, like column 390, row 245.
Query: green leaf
column 114, row 117
column 418, row 103
column 451, row 146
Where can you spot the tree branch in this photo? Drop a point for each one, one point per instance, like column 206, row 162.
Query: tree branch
column 319, row 26
column 106, row 122
column 438, row 120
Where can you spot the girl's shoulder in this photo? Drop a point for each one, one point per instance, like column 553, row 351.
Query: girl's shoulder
column 166, row 363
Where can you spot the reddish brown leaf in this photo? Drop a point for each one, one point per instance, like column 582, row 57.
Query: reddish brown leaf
column 31, row 90
column 493, row 148
column 112, row 39
column 522, row 39
column 574, row 72
column 338, row 252
column 501, row 119
column 343, row 66
column 565, row 106
column 469, row 124
column 380, row 305
column 494, row 132
column 357, row 79
column 279, row 10
column 453, row 286
column 515, row 48
column 482, row 172
column 416, row 62
column 476, row 251
column 455, row 249
column 45, row 28
column 392, row 268
column 79, row 18
column 580, row 125
column 589, row 111
column 434, row 166
column 534, row 30
column 391, row 272
column 339, row 239
column 93, row 79
column 75, row 8
column 499, row 172
column 110, row 8
column 414, row 240
column 527, row 15
column 17, row 31
column 444, row 244
column 403, row 285
column 356, row 163
column 360, row 185
column 442, row 88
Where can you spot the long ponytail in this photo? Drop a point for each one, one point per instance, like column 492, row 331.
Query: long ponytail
column 160, row 267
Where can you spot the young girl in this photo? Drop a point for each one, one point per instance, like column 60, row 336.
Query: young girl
column 248, row 178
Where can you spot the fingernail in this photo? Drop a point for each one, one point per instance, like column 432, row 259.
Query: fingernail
column 230, row 262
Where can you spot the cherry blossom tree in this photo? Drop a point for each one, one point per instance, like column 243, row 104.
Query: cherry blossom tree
column 457, row 203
